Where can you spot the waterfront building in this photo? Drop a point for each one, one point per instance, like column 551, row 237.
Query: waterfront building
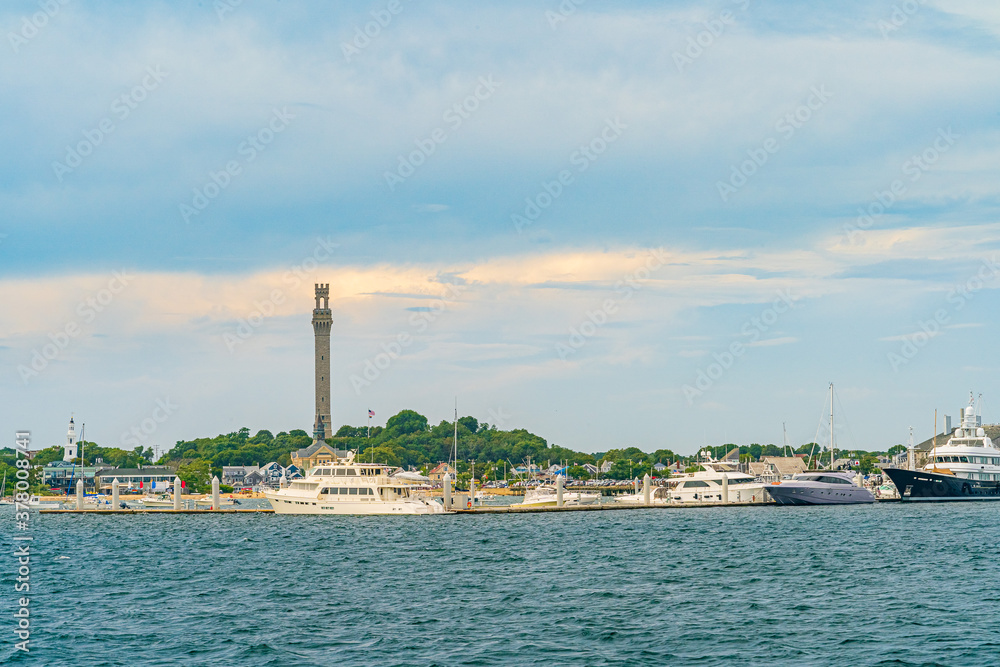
column 440, row 470
column 61, row 476
column 153, row 478
column 234, row 476
column 315, row 454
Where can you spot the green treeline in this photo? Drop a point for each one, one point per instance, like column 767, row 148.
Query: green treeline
column 408, row 440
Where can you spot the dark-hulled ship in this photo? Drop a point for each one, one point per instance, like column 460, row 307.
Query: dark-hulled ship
column 966, row 468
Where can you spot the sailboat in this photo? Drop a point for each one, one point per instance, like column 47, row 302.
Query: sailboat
column 821, row 487
column 3, row 491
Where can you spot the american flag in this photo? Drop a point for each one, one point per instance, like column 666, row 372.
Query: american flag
column 371, row 413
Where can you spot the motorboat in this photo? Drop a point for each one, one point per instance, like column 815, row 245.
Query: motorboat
column 544, row 495
column 967, row 467
column 820, row 487
column 159, row 500
column 658, row 495
column 347, row 487
column 706, row 485
column 223, row 502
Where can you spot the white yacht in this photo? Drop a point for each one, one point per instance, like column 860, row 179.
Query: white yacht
column 967, row 467
column 545, row 496
column 347, row 487
column 706, row 485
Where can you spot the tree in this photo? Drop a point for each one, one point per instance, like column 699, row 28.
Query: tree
column 868, row 464
column 896, row 449
column 196, row 475
column 406, row 422
column 47, row 456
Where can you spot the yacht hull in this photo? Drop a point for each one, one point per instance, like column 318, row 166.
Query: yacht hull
column 789, row 494
column 923, row 486
column 305, row 505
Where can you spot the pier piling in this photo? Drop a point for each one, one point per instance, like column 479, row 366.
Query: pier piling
column 114, row 494
column 559, row 490
column 646, row 491
column 215, row 493
column 79, row 494
column 725, row 488
column 177, row 493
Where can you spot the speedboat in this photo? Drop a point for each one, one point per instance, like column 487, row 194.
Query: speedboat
column 545, row 496
column 161, row 500
column 820, row 487
column 966, row 468
column 346, row 487
column 207, row 501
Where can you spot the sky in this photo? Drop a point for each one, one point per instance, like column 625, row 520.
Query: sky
column 660, row 225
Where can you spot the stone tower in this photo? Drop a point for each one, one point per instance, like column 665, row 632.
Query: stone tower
column 321, row 328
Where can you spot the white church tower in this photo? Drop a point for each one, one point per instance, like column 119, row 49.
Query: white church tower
column 69, row 451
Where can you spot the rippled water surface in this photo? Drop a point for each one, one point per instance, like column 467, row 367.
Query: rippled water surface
column 887, row 584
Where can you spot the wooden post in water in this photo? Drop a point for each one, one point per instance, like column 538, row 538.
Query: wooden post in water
column 472, row 491
column 645, row 489
column 559, row 490
column 635, row 486
column 447, row 491
column 114, row 494
column 725, row 488
column 177, row 493
column 215, row 493
column 79, row 494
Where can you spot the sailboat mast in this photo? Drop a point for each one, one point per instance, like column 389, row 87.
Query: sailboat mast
column 934, row 453
column 456, row 438
column 833, row 448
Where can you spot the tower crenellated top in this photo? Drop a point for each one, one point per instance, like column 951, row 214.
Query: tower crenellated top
column 322, row 295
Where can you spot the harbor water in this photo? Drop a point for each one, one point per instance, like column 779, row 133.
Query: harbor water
column 889, row 584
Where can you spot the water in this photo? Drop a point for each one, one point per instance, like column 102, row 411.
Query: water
column 889, row 584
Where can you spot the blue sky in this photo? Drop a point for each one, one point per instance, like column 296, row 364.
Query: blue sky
column 602, row 203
